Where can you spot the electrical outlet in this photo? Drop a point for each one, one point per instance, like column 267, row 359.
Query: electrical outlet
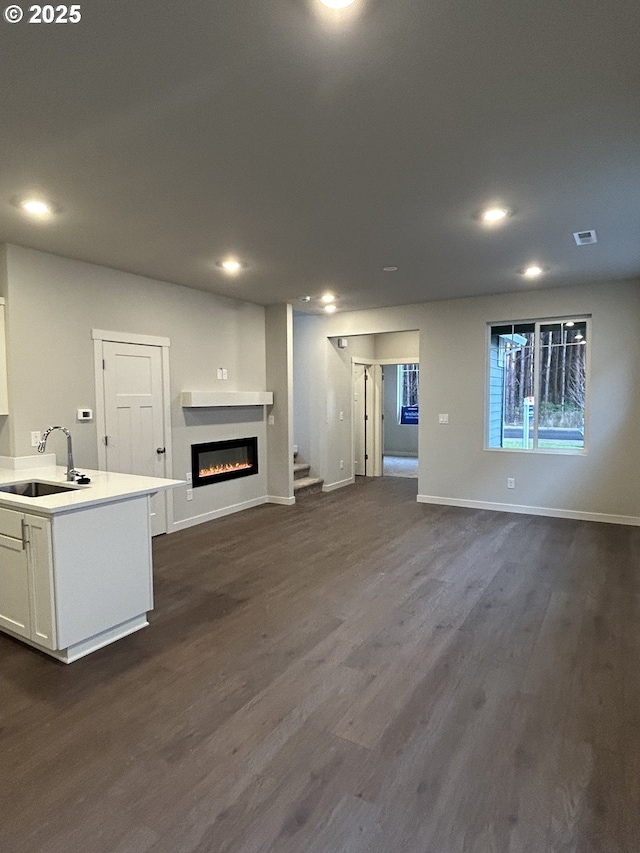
column 443, row 419
column 341, row 464
column 189, row 494
column 35, row 438
column 188, row 477
column 511, row 483
column 271, row 420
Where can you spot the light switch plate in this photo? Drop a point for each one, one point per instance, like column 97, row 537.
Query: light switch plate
column 443, row 419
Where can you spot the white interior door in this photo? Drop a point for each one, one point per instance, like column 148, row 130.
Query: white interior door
column 134, row 417
column 367, row 419
column 362, row 434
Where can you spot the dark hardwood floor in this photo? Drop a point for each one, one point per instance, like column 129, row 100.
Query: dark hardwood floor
column 356, row 673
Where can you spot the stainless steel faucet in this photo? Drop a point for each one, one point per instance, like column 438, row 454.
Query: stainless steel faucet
column 71, row 471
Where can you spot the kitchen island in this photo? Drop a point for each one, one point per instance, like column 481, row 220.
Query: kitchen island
column 75, row 566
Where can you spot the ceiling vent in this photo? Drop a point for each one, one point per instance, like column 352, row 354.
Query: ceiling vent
column 585, row 238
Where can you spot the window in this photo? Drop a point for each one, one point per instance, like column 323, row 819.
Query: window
column 538, row 385
column 408, row 381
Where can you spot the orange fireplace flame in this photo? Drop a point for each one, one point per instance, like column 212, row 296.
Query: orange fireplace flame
column 224, row 468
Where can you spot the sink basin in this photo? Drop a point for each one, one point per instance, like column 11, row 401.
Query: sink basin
column 36, row 489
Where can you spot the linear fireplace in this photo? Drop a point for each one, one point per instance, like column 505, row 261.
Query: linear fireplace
column 223, row 460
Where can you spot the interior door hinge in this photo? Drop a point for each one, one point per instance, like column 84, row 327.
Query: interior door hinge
column 106, row 440
column 103, row 364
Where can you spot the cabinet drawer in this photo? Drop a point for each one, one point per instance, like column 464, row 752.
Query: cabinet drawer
column 11, row 523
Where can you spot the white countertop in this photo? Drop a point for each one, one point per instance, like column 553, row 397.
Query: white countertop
column 105, row 487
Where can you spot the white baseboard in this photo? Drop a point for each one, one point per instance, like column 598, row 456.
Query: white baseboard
column 532, row 510
column 329, row 487
column 184, row 523
column 276, row 499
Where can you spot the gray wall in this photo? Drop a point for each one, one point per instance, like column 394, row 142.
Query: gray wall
column 279, row 352
column 404, row 346
column 605, row 480
column 53, row 303
column 323, row 390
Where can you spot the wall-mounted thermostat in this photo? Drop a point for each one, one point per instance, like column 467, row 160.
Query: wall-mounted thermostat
column 85, row 414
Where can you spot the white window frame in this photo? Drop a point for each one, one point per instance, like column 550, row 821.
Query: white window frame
column 555, row 451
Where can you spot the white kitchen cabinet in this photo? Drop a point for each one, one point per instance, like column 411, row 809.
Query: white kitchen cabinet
column 26, row 577
column 76, row 569
column 77, row 581
column 4, row 394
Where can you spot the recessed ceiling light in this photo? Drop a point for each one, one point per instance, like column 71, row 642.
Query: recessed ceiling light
column 533, row 271
column 328, row 297
column 36, row 207
column 305, row 299
column 494, row 214
column 390, row 269
column 330, row 308
column 337, row 4
column 231, row 265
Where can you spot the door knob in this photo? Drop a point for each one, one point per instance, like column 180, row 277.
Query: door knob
column 161, row 449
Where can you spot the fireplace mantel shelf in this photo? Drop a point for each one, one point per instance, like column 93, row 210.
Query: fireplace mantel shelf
column 215, row 399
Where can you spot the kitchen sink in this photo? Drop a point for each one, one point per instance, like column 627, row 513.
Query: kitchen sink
column 36, row 489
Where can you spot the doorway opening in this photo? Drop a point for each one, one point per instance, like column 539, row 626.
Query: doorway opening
column 400, row 419
column 385, row 404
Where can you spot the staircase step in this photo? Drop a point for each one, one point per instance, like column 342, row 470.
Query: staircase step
column 300, row 470
column 307, row 486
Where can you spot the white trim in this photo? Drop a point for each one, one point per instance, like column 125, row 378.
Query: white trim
column 378, row 407
column 222, row 399
column 330, row 487
column 578, row 451
column 98, row 384
column 91, row 644
column 168, row 432
column 217, row 513
column 276, row 499
column 551, row 512
column 356, row 359
column 130, row 338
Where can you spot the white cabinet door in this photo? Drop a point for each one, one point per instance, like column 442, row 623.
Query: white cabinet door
column 14, row 586
column 26, row 577
column 40, row 559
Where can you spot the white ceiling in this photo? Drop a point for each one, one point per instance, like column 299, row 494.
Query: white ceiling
column 321, row 147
